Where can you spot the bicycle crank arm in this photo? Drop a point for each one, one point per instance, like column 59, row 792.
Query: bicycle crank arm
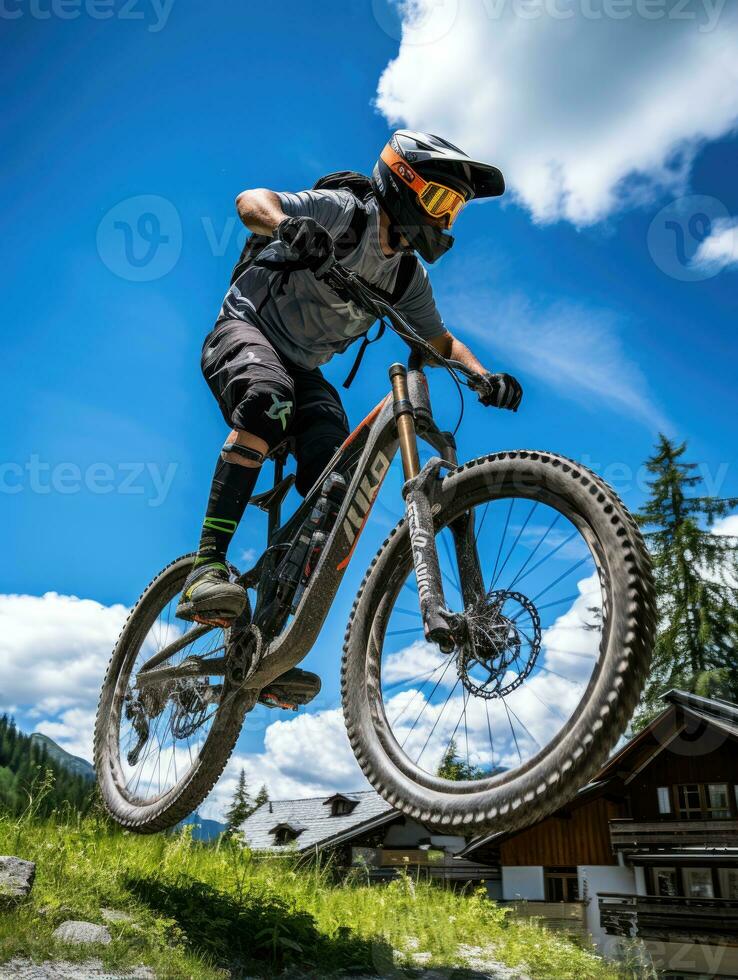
column 417, row 491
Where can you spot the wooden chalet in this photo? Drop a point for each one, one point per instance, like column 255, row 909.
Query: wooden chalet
column 647, row 851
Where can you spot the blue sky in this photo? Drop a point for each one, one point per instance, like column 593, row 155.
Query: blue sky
column 576, row 282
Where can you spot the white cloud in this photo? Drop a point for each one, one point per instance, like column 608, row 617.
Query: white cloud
column 54, row 650
column 720, row 249
column 584, row 113
column 415, row 662
column 73, row 731
column 309, row 755
column 575, row 350
column 727, row 525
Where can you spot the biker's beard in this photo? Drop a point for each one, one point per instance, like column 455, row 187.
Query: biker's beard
column 396, row 241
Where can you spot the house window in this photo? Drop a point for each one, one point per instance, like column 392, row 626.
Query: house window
column 562, row 884
column 698, row 883
column 665, row 882
column 703, row 801
column 690, row 801
column 718, row 801
column 728, row 883
column 664, row 798
column 285, row 834
column 341, row 808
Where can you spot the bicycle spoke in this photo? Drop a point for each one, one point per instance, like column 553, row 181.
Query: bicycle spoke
column 515, row 737
column 533, row 553
column 438, row 682
column 502, row 541
column 158, row 768
column 435, row 724
column 514, row 544
column 447, row 549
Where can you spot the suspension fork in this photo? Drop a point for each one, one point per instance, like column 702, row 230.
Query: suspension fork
column 417, row 492
column 463, row 530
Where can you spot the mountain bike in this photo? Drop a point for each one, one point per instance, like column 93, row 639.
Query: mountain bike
column 494, row 654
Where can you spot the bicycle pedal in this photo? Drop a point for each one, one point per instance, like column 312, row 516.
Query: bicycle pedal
column 272, row 701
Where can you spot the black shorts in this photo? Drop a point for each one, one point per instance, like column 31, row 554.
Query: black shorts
column 260, row 391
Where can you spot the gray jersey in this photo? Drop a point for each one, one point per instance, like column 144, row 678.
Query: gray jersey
column 308, row 322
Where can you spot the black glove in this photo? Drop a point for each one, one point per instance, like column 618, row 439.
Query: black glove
column 308, row 241
column 497, row 390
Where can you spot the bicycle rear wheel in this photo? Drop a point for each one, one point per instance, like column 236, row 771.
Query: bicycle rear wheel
column 160, row 749
column 510, row 725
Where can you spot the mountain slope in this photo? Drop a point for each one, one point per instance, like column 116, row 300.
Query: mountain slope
column 73, row 763
column 202, row 828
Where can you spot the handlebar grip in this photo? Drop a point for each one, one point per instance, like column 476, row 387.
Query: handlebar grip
column 415, row 360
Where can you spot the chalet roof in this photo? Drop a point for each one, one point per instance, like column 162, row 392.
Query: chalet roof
column 717, row 712
column 318, row 828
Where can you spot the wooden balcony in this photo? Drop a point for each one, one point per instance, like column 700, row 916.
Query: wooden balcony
column 671, row 835
column 385, row 863
column 696, row 920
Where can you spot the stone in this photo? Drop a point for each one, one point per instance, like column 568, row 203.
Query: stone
column 82, row 933
column 16, row 879
column 20, row 969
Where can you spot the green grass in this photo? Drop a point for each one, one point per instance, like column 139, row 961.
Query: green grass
column 203, row 911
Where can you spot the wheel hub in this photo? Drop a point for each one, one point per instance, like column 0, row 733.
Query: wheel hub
column 498, row 654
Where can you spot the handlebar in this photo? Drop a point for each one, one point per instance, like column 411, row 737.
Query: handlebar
column 345, row 282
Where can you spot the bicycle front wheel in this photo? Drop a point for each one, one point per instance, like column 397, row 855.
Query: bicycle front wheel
column 524, row 712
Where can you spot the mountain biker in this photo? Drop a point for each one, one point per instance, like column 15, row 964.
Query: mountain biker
column 262, row 359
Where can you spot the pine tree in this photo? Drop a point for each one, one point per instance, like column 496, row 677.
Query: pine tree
column 696, row 574
column 452, row 767
column 241, row 806
column 262, row 797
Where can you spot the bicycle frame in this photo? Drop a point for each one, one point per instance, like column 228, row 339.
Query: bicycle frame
column 389, row 427
column 395, row 423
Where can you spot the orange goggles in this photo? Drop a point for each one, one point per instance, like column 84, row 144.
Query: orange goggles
column 438, row 201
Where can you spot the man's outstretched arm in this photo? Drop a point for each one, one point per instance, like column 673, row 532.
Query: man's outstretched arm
column 500, row 390
column 260, row 210
column 451, row 346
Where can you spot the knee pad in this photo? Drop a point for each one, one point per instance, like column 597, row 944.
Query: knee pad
column 267, row 411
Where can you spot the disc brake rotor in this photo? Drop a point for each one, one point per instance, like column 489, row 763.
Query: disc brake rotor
column 498, row 654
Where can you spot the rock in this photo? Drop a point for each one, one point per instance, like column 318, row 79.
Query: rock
column 81, row 933
column 61, row 970
column 16, row 879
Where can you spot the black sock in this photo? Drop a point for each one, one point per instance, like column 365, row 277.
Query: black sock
column 231, row 490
